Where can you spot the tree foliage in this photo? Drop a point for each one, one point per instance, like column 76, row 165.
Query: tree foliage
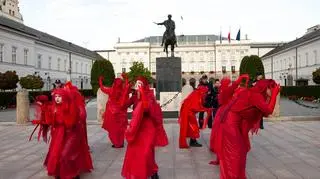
column 31, row 82
column 251, row 65
column 8, row 80
column 316, row 76
column 138, row 69
column 101, row 67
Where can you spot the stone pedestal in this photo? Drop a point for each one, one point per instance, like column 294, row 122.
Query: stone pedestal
column 22, row 108
column 276, row 111
column 168, row 75
column 102, row 99
column 186, row 90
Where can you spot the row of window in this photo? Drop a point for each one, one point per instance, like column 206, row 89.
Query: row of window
column 190, row 67
column 13, row 54
column 38, row 63
column 303, row 60
column 65, row 65
column 223, row 52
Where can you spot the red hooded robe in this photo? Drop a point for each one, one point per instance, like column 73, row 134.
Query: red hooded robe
column 115, row 117
column 68, row 154
column 237, row 118
column 188, row 122
column 145, row 132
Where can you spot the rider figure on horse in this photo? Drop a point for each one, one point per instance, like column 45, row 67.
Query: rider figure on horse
column 169, row 33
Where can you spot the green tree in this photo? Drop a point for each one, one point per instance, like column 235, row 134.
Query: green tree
column 101, row 67
column 251, row 65
column 316, row 76
column 137, row 70
column 8, row 80
column 31, row 82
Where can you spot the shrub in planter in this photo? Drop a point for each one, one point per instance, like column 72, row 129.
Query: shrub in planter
column 8, row 80
column 101, row 67
column 211, row 72
column 316, row 76
column 251, row 65
column 31, row 82
column 192, row 72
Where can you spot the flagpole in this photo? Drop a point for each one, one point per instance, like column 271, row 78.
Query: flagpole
column 215, row 60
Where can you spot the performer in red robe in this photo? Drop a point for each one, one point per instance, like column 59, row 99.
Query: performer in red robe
column 145, row 132
column 68, row 154
column 115, row 117
column 242, row 114
column 80, row 101
column 188, row 122
column 226, row 92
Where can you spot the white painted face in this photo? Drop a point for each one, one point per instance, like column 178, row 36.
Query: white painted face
column 138, row 84
column 58, row 99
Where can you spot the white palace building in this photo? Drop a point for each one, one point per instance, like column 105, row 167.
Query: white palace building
column 199, row 54
column 29, row 51
column 294, row 60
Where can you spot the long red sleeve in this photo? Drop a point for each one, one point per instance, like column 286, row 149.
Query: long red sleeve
column 137, row 115
column 261, row 103
column 103, row 88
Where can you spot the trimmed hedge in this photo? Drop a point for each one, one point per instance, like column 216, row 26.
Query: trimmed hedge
column 300, row 91
column 31, row 82
column 251, row 65
column 8, row 98
column 101, row 67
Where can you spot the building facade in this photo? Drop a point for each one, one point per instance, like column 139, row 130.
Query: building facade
column 199, row 53
column 10, row 9
column 29, row 51
column 294, row 60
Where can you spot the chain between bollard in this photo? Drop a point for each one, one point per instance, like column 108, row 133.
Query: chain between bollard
column 170, row 100
column 304, row 105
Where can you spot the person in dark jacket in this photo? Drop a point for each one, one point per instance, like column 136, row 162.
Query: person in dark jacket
column 210, row 99
column 215, row 103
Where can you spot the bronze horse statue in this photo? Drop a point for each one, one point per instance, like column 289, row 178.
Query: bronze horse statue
column 169, row 36
column 171, row 40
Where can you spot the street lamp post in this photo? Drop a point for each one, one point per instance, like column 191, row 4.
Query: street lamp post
column 48, row 80
column 284, row 77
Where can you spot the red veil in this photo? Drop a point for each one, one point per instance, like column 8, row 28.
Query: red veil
column 115, row 117
column 237, row 118
column 188, row 123
column 144, row 133
column 68, row 154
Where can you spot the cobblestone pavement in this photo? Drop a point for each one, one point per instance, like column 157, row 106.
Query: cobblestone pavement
column 283, row 150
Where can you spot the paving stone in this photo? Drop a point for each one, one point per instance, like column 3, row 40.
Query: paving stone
column 283, row 150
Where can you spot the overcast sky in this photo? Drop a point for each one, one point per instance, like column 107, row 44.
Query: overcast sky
column 97, row 24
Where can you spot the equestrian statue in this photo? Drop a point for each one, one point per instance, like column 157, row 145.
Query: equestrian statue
column 169, row 36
